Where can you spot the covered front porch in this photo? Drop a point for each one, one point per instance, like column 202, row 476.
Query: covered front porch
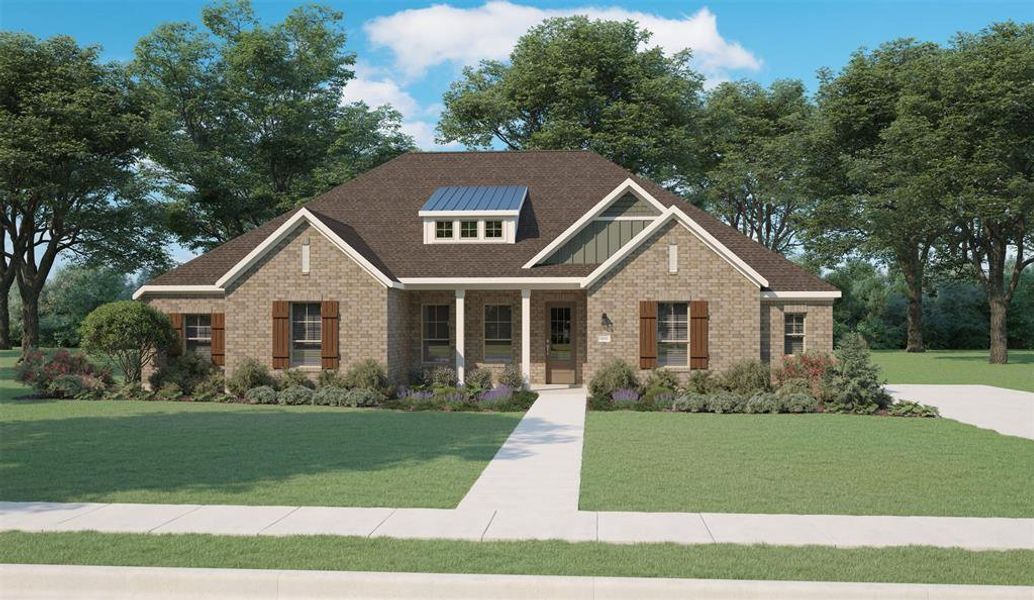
column 542, row 331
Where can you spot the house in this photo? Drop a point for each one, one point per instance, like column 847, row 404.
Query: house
column 554, row 261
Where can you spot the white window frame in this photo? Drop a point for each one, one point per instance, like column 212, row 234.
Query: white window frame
column 485, row 339
column 802, row 334
column 295, row 362
column 502, row 229
column 199, row 329
column 661, row 340
column 477, row 229
column 452, row 230
column 423, row 334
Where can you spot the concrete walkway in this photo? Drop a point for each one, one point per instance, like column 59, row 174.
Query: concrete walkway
column 147, row 583
column 1010, row 412
column 539, row 467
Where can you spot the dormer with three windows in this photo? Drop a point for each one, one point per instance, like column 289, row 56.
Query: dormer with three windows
column 473, row 214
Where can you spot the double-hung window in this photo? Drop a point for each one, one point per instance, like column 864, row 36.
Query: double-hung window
column 435, row 346
column 443, row 230
column 198, row 334
column 498, row 333
column 793, row 337
column 306, row 334
column 672, row 334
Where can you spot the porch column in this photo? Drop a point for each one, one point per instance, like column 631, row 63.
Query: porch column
column 460, row 336
column 526, row 335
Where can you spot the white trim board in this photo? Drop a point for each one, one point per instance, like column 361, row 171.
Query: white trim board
column 627, row 185
column 177, row 289
column 771, row 296
column 491, row 283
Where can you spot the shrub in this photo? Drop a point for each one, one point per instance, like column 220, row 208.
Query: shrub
column 625, row 399
column 512, row 377
column 691, row 402
column 702, row 382
column 478, row 380
column 128, row 391
column 497, row 397
column 811, row 367
column 798, row 403
column 185, row 371
column 129, row 333
column 662, row 378
column 330, row 395
column 794, row 386
column 747, row 377
column 726, row 402
column 855, row 385
column 658, row 398
column 249, row 374
column 169, row 392
column 294, row 395
column 42, row 373
column 612, row 376
column 452, row 398
column 294, row 377
column 762, row 402
column 523, row 399
column 66, row 386
column 332, row 378
column 362, row 397
column 367, row 374
column 442, row 376
column 262, row 394
column 906, row 408
column 211, row 388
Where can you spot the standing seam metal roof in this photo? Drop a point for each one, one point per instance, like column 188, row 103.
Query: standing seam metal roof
column 479, row 197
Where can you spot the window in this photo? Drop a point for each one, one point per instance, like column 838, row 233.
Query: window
column 672, row 334
column 469, row 229
column 493, row 230
column 436, row 333
column 443, row 230
column 793, row 340
column 498, row 333
column 306, row 334
column 198, row 330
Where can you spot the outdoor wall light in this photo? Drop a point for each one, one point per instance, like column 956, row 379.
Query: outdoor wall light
column 606, row 322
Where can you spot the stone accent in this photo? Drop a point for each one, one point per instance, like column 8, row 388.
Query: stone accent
column 733, row 300
column 818, row 327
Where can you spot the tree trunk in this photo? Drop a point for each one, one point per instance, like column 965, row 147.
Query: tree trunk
column 999, row 332
column 30, row 317
column 5, row 319
column 912, row 266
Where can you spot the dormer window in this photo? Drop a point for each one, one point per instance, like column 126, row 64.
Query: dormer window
column 476, row 214
column 493, row 230
column 469, row 230
column 443, row 230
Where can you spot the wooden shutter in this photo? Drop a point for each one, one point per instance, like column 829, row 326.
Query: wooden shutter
column 281, row 334
column 181, row 339
column 647, row 334
column 330, row 359
column 698, row 325
column 219, row 339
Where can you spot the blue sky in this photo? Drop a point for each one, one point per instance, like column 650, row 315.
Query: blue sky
column 409, row 51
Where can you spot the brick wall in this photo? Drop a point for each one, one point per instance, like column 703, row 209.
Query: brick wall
column 818, row 327
column 733, row 301
column 188, row 305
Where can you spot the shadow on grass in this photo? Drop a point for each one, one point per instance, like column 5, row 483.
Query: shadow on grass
column 1015, row 358
column 234, row 452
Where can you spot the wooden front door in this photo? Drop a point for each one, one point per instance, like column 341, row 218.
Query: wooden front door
column 560, row 343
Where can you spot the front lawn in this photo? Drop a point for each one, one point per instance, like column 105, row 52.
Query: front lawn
column 957, row 367
column 179, row 452
column 912, row 564
column 803, row 464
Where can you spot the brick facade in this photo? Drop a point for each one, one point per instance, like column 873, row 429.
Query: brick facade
column 818, row 327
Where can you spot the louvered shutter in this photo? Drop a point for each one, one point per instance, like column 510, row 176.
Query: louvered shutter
column 698, row 326
column 329, row 357
column 218, row 339
column 177, row 325
column 281, row 334
column 647, row 334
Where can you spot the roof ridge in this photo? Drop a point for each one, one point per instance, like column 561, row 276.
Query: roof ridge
column 493, row 151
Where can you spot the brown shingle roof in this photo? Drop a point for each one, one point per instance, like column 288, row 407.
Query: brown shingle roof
column 376, row 214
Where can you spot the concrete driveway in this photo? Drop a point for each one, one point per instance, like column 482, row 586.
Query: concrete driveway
column 1010, row 412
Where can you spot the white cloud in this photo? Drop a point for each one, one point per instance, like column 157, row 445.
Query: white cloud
column 375, row 90
column 426, row 37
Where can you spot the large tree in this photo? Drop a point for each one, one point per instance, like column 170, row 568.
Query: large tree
column 573, row 83
column 246, row 115
column 755, row 152
column 988, row 89
column 876, row 156
column 70, row 132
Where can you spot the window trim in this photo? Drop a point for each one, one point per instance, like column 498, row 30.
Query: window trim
column 803, row 335
column 186, row 329
column 502, row 232
column 485, row 339
column 438, row 225
column 292, row 362
column 477, row 229
column 660, row 339
column 423, row 333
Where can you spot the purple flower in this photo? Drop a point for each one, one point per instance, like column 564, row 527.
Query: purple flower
column 499, row 393
column 625, row 395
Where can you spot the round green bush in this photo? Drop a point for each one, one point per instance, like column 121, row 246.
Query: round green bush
column 726, row 402
column 798, row 403
column 294, row 395
column 512, row 377
column 331, row 395
column 691, row 402
column 292, row 377
column 658, row 398
column 186, row 371
column 130, row 334
column 332, row 378
column 360, row 397
column 368, row 375
column 662, row 378
column 762, row 402
column 441, row 377
column 747, row 377
column 611, row 377
column 262, row 394
column 249, row 374
column 478, row 379
column 794, row 386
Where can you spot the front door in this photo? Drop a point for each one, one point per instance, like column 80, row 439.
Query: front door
column 560, row 343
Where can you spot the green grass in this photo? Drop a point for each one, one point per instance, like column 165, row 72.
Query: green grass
column 803, row 464
column 178, row 452
column 906, row 564
column 957, row 366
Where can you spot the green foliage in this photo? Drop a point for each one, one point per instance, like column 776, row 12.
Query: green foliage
column 128, row 392
column 169, row 392
column 129, row 333
column 442, row 376
column 478, row 380
column 511, row 377
column 367, row 374
column 789, row 387
column 572, row 83
column 692, row 402
column 703, row 382
column 726, row 402
column 330, row 395
column 812, row 368
column 662, row 378
column 331, row 378
column 798, row 403
column 657, row 397
column 906, row 408
column 249, row 374
column 52, row 375
column 211, row 389
column 295, row 394
column 186, row 371
column 763, row 402
column 855, row 384
column 262, row 394
column 612, row 376
column 746, row 377
column 360, row 397
column 292, row 377
column 71, row 294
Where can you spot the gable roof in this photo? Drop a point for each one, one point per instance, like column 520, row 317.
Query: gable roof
column 369, row 214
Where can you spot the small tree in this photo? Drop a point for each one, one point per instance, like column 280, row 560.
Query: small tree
column 855, row 382
column 129, row 333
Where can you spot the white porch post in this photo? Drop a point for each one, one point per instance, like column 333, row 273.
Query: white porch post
column 526, row 335
column 460, row 336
